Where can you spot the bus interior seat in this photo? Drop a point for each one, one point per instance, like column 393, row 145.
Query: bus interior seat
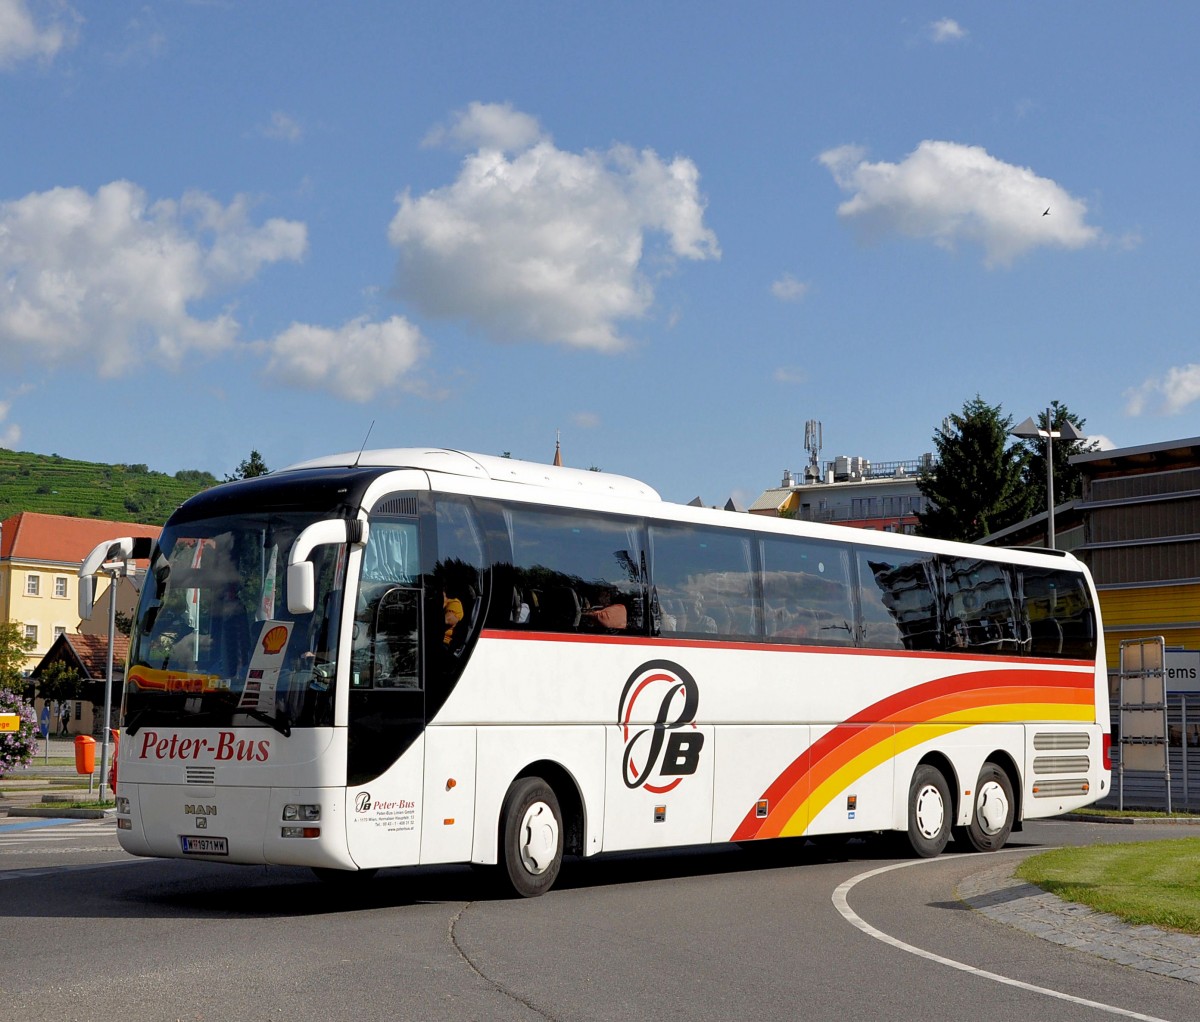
column 561, row 608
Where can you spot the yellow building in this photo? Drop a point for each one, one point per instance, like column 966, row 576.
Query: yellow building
column 1141, row 515
column 39, row 575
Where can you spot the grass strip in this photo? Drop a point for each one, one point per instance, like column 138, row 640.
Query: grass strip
column 1155, row 883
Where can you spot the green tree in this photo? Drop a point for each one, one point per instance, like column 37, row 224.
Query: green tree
column 977, row 484
column 58, row 683
column 1068, row 480
column 248, row 469
column 13, row 649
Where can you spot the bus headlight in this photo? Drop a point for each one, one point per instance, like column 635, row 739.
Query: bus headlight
column 122, row 806
column 305, row 813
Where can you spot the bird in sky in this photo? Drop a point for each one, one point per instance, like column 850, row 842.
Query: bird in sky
column 1047, row 213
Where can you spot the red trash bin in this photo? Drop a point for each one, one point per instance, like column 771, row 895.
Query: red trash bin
column 85, row 754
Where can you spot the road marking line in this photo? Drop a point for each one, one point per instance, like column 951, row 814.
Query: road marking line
column 841, row 903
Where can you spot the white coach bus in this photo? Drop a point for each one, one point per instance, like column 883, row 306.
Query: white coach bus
column 401, row 657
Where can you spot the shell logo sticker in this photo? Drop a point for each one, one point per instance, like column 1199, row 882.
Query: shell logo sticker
column 275, row 639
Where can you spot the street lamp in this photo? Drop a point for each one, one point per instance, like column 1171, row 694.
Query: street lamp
column 1029, row 430
column 113, row 558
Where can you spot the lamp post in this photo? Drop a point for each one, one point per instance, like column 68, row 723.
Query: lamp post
column 1029, row 430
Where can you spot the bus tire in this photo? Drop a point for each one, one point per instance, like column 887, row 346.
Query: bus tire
column 531, row 837
column 929, row 812
column 994, row 812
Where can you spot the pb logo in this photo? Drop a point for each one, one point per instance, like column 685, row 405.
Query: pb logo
column 658, row 756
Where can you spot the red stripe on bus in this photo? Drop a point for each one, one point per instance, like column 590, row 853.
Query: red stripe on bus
column 507, row 635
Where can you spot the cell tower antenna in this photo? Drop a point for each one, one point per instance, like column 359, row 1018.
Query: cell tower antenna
column 813, row 442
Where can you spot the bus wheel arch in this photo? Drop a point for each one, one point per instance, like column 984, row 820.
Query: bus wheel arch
column 535, row 829
column 570, row 801
column 931, row 808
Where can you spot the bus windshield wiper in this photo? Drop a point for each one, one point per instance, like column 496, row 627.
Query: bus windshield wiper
column 282, row 724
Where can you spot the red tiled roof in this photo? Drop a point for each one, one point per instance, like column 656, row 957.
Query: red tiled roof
column 92, row 651
column 29, row 535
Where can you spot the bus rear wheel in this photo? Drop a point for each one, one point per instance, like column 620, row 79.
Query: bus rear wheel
column 531, row 837
column 929, row 812
column 994, row 812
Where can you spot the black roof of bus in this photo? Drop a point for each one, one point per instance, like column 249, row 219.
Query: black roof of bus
column 331, row 491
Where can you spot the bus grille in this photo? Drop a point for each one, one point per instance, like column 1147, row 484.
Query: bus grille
column 1061, row 765
column 1062, row 740
column 200, row 775
column 1060, row 786
column 1056, row 776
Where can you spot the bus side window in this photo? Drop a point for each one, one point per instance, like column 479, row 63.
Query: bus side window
column 1061, row 619
column 807, row 595
column 978, row 610
column 704, row 581
column 387, row 617
column 575, row 571
column 898, row 599
column 458, row 576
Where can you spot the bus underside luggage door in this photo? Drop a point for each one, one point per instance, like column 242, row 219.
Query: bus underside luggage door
column 660, row 786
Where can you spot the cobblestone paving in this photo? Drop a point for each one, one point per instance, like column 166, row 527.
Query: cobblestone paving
column 1001, row 896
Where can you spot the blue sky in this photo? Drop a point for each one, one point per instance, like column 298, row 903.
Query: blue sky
column 671, row 232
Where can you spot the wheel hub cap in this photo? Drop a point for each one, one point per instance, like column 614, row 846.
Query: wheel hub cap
column 931, row 812
column 992, row 808
column 539, row 838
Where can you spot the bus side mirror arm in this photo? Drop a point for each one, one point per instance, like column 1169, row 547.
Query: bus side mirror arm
column 301, row 582
column 112, row 555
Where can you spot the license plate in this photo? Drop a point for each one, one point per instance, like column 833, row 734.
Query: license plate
column 204, row 845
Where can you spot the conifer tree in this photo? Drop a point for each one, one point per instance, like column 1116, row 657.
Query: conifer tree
column 977, row 485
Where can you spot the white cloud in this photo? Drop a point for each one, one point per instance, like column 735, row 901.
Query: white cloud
column 10, row 435
column 283, row 128
column 110, row 277
column 21, row 38
column 355, row 362
column 586, row 420
column 1167, row 395
column 946, row 30
column 790, row 374
column 951, row 193
column 487, row 126
column 788, row 289
column 532, row 242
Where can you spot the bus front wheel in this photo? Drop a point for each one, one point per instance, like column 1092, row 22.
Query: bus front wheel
column 929, row 812
column 994, row 812
column 531, row 838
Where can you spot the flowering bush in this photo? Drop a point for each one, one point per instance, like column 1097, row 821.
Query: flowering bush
column 17, row 747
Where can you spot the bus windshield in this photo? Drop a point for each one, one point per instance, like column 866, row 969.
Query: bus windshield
column 213, row 643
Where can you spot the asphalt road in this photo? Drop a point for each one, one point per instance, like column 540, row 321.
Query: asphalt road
column 89, row 933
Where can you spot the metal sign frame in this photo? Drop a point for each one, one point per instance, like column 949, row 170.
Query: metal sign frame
column 1143, row 705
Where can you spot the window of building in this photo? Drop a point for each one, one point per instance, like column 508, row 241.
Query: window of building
column 60, row 586
column 31, row 633
column 33, row 585
column 60, row 630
